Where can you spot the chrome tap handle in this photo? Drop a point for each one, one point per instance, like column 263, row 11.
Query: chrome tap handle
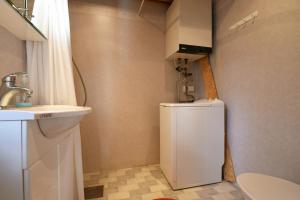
column 11, row 78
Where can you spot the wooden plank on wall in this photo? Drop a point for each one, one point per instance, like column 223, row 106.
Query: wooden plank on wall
column 211, row 93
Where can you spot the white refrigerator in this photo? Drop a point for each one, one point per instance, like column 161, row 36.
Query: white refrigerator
column 192, row 142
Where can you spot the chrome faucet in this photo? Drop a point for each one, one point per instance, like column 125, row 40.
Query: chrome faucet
column 9, row 90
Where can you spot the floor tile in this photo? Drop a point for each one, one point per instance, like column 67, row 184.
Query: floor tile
column 148, row 183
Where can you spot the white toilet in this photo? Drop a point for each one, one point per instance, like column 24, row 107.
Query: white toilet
column 263, row 187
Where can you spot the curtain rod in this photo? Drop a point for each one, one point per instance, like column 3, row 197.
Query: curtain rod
column 141, row 7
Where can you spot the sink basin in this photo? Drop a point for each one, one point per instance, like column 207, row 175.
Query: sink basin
column 52, row 119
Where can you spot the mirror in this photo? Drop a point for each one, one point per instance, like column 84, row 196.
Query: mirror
column 25, row 9
column 21, row 5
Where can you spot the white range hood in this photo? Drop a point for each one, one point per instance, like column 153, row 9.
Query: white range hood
column 189, row 29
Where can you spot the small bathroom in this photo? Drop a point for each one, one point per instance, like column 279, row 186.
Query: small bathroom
column 149, row 100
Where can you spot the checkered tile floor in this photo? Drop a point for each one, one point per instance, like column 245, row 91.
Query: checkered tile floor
column 148, row 183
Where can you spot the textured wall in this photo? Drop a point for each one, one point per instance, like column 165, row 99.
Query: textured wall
column 121, row 56
column 12, row 53
column 257, row 70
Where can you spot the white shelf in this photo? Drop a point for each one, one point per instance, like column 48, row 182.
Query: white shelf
column 14, row 22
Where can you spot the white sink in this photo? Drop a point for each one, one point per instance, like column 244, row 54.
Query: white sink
column 52, row 119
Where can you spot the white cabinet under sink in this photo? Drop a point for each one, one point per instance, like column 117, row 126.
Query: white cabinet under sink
column 11, row 173
column 33, row 166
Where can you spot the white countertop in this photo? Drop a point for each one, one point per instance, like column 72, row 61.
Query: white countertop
column 42, row 112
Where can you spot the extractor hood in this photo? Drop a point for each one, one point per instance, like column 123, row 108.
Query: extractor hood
column 189, row 29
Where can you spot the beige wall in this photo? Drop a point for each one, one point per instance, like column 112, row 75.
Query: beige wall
column 257, row 71
column 121, row 56
column 12, row 53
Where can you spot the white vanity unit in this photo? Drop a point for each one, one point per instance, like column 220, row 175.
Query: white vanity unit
column 37, row 152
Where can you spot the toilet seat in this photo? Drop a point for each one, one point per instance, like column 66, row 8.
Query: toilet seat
column 263, row 187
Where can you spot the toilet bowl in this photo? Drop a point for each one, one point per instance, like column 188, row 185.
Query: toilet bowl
column 263, row 187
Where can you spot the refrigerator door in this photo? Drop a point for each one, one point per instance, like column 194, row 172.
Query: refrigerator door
column 200, row 146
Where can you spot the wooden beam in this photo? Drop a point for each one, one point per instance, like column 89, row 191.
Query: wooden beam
column 211, row 93
column 208, row 78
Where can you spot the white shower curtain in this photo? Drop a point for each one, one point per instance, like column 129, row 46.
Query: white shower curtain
column 49, row 65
